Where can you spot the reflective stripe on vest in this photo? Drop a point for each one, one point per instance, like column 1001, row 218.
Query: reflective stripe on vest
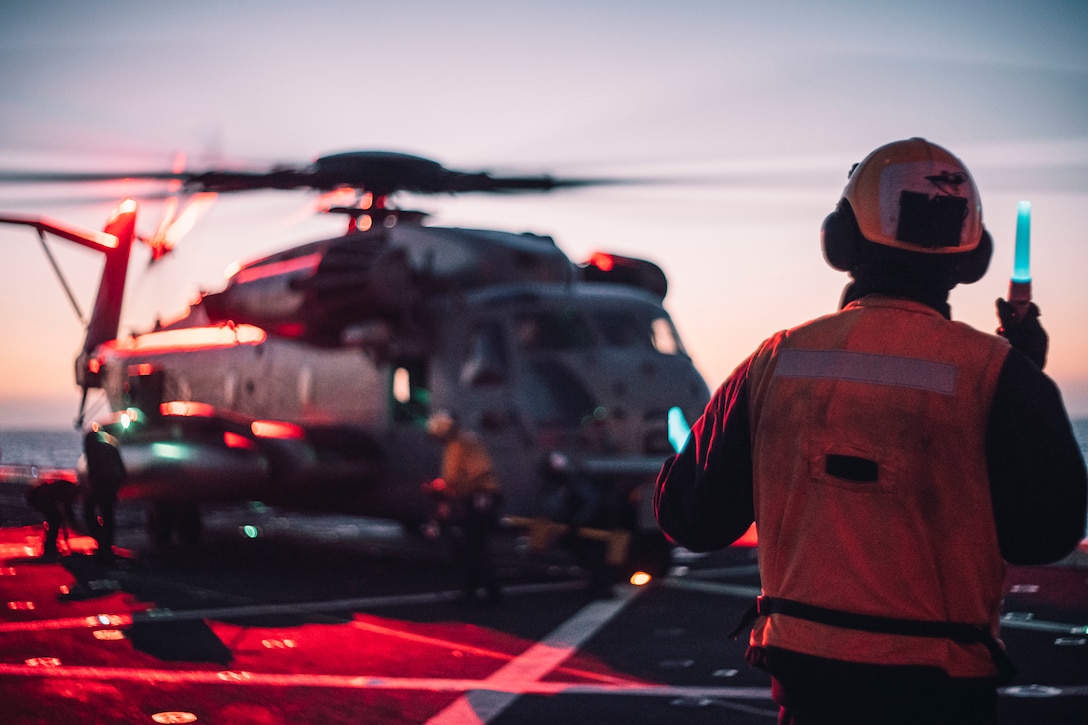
column 860, row 367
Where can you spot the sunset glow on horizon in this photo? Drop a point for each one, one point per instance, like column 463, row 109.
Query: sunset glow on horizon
column 754, row 111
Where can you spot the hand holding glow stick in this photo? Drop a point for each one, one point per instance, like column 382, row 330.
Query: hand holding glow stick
column 1018, row 315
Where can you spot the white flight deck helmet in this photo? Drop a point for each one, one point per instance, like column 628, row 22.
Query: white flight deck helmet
column 914, row 196
column 440, row 424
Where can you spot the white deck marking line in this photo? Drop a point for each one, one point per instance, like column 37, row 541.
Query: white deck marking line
column 363, row 682
column 1040, row 625
column 747, row 592
column 479, row 651
column 729, row 590
column 747, row 709
column 724, row 571
column 256, row 610
column 493, row 695
column 430, row 684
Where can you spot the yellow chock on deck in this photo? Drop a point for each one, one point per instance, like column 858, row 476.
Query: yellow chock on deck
column 618, row 543
column 544, row 532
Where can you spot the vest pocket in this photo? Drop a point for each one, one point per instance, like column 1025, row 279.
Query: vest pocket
column 854, row 468
column 851, row 468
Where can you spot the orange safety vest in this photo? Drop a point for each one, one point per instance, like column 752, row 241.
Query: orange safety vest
column 877, row 541
column 467, row 467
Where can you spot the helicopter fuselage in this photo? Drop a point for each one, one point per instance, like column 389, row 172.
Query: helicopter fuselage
column 278, row 390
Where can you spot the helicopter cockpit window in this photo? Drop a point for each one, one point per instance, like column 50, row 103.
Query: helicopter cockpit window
column 552, row 330
column 637, row 329
column 665, row 340
column 486, row 362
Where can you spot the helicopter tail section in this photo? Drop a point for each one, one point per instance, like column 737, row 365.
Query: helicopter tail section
column 106, row 316
column 118, row 234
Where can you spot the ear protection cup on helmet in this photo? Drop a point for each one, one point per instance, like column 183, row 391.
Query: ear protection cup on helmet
column 841, row 237
column 973, row 265
column 842, row 241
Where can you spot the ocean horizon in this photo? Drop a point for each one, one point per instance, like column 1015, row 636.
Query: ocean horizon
column 60, row 448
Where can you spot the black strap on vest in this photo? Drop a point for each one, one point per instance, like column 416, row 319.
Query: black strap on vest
column 956, row 631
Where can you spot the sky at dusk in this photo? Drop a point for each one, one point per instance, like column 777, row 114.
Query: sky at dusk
column 767, row 104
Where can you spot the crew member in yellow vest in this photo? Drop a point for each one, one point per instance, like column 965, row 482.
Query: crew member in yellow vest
column 893, row 461
column 468, row 494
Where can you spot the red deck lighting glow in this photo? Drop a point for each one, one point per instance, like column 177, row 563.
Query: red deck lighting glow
column 276, row 429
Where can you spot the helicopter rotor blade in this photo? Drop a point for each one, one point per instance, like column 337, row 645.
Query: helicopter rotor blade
column 381, row 172
column 197, row 207
column 89, row 200
column 170, row 208
column 174, row 226
column 79, row 177
column 158, row 242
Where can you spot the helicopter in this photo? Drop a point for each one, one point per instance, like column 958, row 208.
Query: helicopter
column 306, row 381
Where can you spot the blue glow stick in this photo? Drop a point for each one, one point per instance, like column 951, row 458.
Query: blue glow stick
column 1021, row 269
column 1020, row 283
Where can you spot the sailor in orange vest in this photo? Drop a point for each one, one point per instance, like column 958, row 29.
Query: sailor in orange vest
column 893, row 460
column 468, row 495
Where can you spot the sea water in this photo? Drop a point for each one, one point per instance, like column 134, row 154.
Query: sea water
column 41, row 448
column 61, row 448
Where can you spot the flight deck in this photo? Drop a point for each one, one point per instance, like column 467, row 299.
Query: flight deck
column 290, row 618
